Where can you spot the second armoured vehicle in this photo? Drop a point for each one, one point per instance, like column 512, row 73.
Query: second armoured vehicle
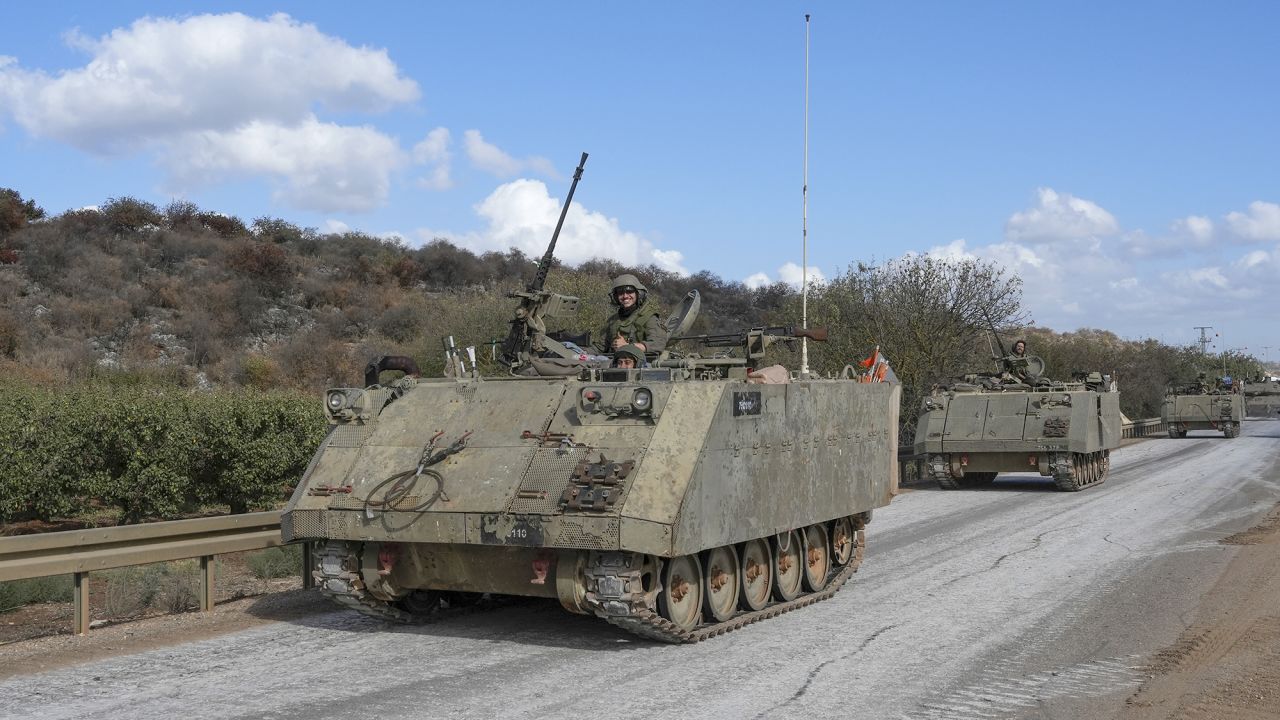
column 1017, row 420
column 1203, row 405
column 678, row 501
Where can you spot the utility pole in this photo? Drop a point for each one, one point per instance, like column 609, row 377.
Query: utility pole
column 1204, row 337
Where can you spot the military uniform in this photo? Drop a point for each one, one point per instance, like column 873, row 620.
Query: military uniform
column 642, row 324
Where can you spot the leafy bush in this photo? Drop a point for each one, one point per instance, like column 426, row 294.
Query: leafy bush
column 150, row 452
column 16, row 593
column 276, row 562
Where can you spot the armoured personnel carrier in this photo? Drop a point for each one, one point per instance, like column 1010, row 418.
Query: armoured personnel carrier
column 677, row 501
column 1203, row 405
column 1262, row 397
column 1017, row 420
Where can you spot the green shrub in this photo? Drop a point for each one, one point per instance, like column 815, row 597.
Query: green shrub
column 277, row 562
column 150, row 452
column 179, row 588
column 16, row 593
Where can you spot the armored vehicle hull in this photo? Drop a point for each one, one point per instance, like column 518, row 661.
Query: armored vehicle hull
column 1222, row 411
column 971, row 432
column 675, row 504
column 1262, row 399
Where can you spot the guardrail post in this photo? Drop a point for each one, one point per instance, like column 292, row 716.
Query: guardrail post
column 308, row 581
column 206, row 583
column 81, row 602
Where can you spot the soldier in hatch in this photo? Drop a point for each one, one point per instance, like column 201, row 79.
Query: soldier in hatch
column 1020, row 348
column 635, row 322
column 628, row 356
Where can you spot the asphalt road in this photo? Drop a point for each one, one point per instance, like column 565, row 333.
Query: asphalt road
column 1015, row 601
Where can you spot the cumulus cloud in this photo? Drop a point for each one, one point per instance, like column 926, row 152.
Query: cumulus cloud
column 788, row 273
column 1197, row 228
column 1059, row 216
column 318, row 166
column 522, row 214
column 433, row 151
column 186, row 88
column 493, row 160
column 1260, row 224
column 791, row 273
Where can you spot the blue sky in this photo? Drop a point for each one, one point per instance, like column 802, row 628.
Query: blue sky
column 1120, row 157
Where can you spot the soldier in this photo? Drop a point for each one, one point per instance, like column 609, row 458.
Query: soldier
column 628, row 356
column 636, row 322
column 1020, row 348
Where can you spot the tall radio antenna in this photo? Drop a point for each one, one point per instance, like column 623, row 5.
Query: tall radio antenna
column 804, row 193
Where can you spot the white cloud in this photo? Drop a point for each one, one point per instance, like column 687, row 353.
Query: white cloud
column 186, row 88
column 493, row 160
column 317, row 166
column 336, row 227
column 1195, row 227
column 522, row 214
column 1059, row 216
column 433, row 151
column 1261, row 223
column 790, row 273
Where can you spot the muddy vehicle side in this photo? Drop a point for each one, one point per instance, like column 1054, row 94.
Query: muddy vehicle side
column 1203, row 406
column 972, row 430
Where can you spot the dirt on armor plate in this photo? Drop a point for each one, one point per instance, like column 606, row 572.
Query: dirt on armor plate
column 1227, row 663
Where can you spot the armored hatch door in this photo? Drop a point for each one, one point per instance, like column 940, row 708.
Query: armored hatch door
column 965, row 415
column 1006, row 417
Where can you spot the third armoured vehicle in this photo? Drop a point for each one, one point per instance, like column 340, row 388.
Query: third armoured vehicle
column 1205, row 404
column 1017, row 420
column 1262, row 397
column 678, row 501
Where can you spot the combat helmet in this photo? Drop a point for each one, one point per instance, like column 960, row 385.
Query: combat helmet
column 630, row 351
column 628, row 280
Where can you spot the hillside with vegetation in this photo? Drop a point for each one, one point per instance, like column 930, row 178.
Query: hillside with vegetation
column 156, row 329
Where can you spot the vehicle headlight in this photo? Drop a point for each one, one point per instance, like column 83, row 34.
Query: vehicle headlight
column 335, row 400
column 1066, row 399
column 642, row 400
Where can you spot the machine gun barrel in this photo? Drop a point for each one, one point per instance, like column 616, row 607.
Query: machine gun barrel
column 735, row 339
column 519, row 334
column 999, row 343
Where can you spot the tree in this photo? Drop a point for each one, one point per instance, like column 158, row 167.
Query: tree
column 16, row 213
column 927, row 314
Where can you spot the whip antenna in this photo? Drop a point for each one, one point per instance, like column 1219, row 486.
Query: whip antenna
column 804, row 193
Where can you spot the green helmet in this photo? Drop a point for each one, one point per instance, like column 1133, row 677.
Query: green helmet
column 630, row 351
column 628, row 280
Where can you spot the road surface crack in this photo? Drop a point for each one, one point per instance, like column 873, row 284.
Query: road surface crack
column 1107, row 538
column 813, row 674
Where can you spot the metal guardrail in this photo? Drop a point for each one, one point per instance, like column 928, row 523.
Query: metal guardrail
column 79, row 552
column 1143, row 428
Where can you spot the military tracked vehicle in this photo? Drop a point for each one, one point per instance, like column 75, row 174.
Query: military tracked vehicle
column 1018, row 421
column 678, row 500
column 1262, row 398
column 1203, row 405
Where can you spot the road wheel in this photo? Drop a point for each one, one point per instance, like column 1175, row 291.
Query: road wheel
column 723, row 582
column 680, row 600
column 788, row 565
column 817, row 557
column 420, row 603
column 757, row 574
column 842, row 542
